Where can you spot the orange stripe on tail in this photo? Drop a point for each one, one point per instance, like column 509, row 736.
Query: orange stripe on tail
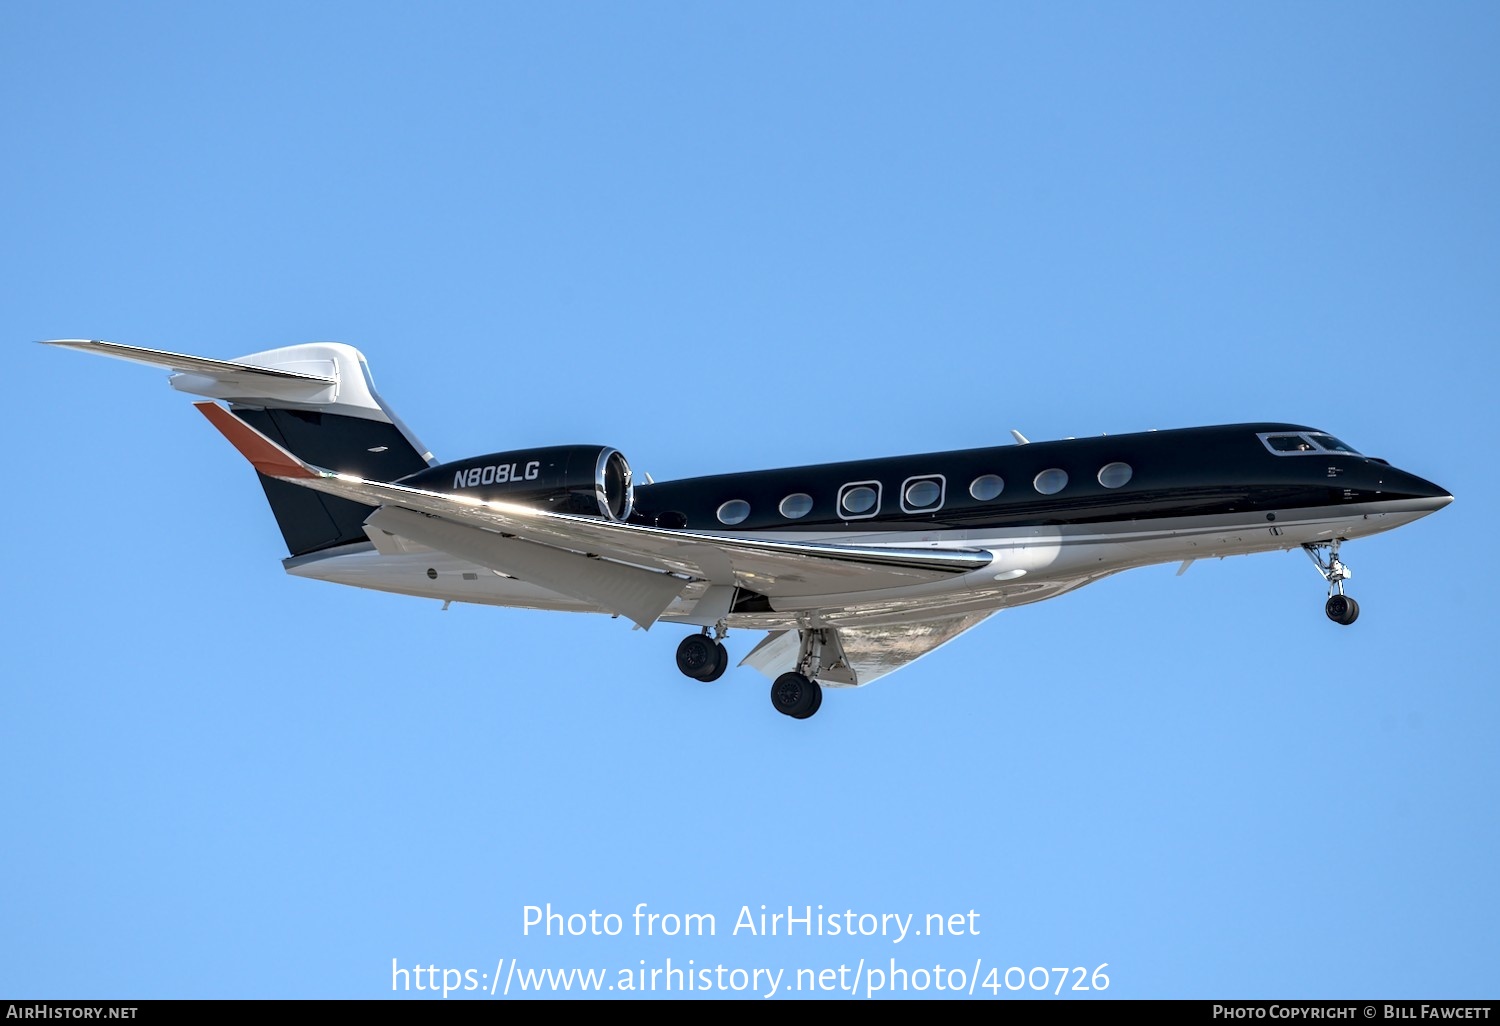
column 265, row 455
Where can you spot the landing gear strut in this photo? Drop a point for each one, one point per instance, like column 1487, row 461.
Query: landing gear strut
column 702, row 657
column 1340, row 607
column 798, row 694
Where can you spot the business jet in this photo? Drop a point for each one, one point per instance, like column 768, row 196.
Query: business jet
column 852, row 569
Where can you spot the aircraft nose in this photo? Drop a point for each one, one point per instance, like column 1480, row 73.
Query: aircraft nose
column 1433, row 497
column 1435, row 494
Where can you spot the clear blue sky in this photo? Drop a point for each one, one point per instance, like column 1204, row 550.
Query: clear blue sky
column 733, row 237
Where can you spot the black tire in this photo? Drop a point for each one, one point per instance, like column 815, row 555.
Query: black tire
column 698, row 654
column 719, row 667
column 793, row 695
column 817, row 701
column 1342, row 609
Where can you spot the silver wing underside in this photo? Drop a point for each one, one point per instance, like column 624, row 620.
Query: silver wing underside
column 858, row 655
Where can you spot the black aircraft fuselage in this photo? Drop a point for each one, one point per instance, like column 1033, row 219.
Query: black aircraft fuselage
column 1200, row 471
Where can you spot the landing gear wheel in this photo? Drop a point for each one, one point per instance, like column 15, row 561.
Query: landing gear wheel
column 720, row 667
column 1342, row 609
column 699, row 655
column 794, row 695
column 817, row 702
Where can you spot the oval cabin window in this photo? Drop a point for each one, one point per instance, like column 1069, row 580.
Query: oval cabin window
column 858, row 500
column 796, row 506
column 921, row 495
column 1115, row 475
column 1050, row 482
column 987, row 487
column 734, row 512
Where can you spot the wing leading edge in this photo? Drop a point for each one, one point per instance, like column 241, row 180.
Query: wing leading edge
column 668, row 559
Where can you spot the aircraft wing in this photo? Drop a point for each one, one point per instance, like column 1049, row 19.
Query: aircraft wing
column 854, row 656
column 632, row 569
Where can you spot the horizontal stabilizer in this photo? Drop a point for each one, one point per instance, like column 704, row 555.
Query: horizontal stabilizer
column 315, row 377
column 184, row 364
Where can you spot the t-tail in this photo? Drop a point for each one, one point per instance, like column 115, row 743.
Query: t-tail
column 318, row 401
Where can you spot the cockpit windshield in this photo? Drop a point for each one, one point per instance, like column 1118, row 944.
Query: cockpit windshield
column 1333, row 444
column 1296, row 443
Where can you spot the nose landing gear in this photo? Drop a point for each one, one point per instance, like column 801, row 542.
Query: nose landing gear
column 1339, row 607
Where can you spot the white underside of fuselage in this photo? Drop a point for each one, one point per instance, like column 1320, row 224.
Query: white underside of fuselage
column 1030, row 564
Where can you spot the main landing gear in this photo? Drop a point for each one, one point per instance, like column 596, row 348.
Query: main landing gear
column 798, row 694
column 702, row 657
column 1340, row 607
column 794, row 695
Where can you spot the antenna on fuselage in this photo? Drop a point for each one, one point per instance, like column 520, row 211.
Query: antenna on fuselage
column 1020, row 438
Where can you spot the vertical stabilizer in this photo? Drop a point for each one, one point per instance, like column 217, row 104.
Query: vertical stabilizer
column 318, row 401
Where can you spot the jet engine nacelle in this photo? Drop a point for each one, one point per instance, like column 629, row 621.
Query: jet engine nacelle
column 589, row 480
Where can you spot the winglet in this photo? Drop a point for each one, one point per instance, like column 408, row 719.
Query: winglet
column 265, row 455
